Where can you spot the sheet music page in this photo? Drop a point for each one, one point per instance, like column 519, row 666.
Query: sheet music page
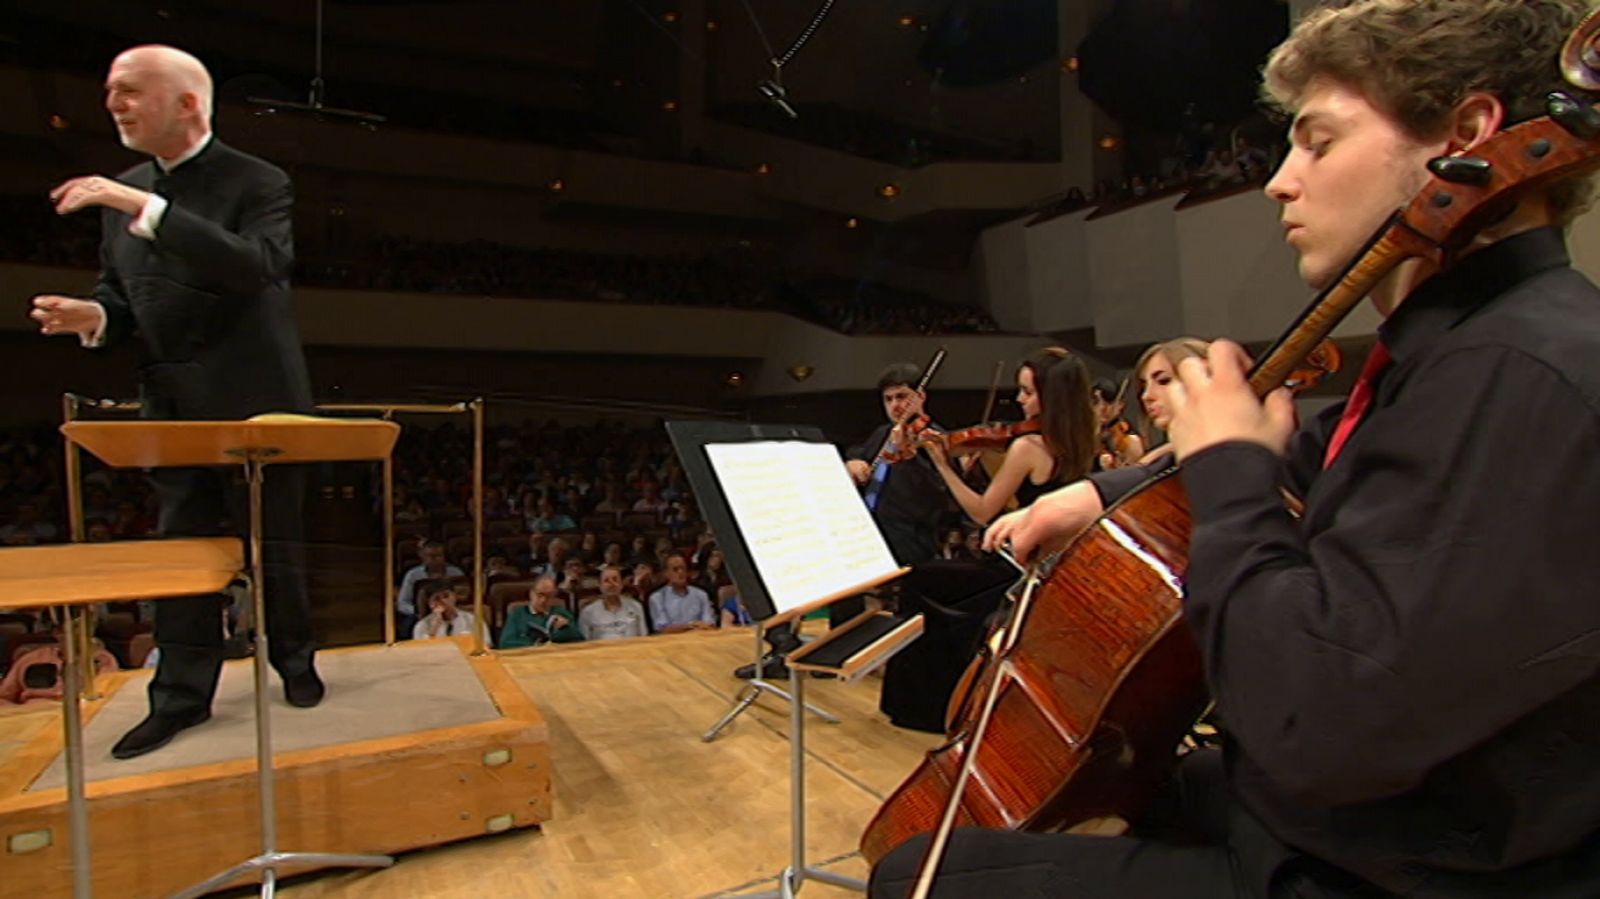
column 809, row 534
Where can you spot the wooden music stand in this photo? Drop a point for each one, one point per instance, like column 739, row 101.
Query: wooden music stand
column 80, row 574
column 254, row 443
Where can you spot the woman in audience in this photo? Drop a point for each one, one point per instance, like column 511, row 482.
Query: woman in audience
column 714, row 576
column 1052, row 388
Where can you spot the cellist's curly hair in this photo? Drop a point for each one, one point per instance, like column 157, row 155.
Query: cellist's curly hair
column 1417, row 59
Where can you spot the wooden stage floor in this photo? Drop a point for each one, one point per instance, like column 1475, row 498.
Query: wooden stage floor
column 643, row 808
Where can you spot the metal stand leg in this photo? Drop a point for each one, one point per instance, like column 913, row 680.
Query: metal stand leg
column 753, row 690
column 794, row 876
column 77, row 801
column 270, row 858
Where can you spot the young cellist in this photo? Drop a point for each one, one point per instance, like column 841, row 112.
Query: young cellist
column 1408, row 676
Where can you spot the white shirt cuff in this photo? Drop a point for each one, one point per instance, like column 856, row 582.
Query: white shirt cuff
column 149, row 218
column 97, row 337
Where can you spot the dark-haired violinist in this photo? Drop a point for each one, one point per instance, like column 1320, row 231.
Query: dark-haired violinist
column 1052, row 389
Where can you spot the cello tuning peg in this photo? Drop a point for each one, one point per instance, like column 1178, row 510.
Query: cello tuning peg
column 1579, row 118
column 1462, row 169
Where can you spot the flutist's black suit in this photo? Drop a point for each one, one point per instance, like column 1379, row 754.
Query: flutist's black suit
column 208, row 303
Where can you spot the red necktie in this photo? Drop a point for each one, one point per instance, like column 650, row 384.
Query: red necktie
column 1360, row 401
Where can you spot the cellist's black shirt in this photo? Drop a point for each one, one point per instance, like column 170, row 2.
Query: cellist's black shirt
column 1408, row 675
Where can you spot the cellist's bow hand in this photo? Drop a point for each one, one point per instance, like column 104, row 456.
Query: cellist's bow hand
column 1000, row 536
column 1048, row 524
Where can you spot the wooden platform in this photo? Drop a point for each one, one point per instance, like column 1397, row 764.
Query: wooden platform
column 642, row 808
column 391, row 761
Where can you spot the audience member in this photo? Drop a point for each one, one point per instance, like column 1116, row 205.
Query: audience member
column 678, row 606
column 444, row 618
column 432, row 567
column 612, row 616
column 544, row 619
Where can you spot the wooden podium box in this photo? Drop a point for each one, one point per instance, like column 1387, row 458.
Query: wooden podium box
column 156, row 833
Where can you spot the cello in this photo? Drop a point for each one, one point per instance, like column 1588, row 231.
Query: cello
column 1076, row 710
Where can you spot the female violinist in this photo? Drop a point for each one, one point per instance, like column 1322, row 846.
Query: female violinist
column 1053, row 388
column 1056, row 516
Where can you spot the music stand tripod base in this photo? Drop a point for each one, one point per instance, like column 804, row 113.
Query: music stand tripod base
column 270, row 859
column 252, row 444
column 752, row 691
column 848, row 652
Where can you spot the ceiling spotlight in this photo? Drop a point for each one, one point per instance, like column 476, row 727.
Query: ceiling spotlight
column 852, row 222
column 1070, row 64
column 889, row 191
column 669, row 16
column 800, row 372
column 734, row 379
column 670, row 106
column 1109, row 142
column 59, row 122
column 556, row 185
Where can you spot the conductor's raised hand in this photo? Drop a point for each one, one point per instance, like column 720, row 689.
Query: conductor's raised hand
column 65, row 315
column 95, row 190
column 1212, row 402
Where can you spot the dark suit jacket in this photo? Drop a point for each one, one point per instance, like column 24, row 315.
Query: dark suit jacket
column 208, row 299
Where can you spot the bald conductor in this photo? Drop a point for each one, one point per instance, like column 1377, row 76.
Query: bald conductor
column 196, row 249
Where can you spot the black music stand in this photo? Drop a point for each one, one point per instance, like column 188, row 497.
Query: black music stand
column 689, row 439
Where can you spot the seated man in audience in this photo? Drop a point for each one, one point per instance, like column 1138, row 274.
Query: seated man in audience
column 680, row 606
column 644, row 581
column 532, row 560
column 612, row 616
column 555, row 563
column 543, row 620
column 444, row 618
column 36, row 674
column 433, row 567
column 498, row 567
column 547, row 518
column 575, row 580
column 652, row 500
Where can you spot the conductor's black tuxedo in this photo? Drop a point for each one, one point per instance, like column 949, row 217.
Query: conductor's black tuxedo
column 207, row 301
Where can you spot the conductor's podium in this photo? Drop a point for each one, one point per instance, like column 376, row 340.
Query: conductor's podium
column 416, row 744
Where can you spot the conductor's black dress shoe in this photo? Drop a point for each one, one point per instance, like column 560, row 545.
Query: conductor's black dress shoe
column 154, row 732
column 304, row 690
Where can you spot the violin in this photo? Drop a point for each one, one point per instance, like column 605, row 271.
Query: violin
column 995, row 435
column 907, row 447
